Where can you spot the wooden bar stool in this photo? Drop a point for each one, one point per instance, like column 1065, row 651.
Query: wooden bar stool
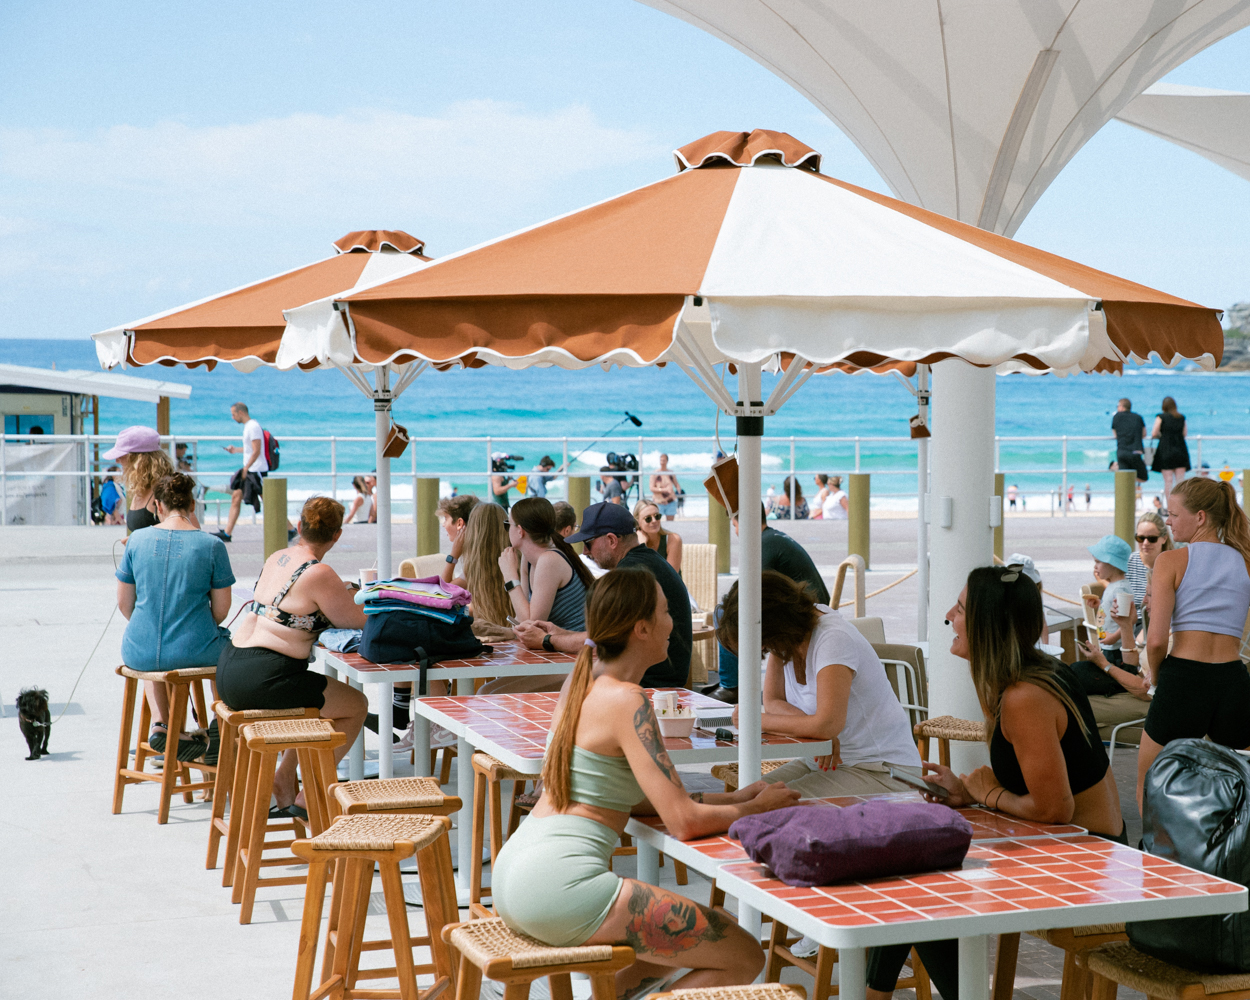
column 488, row 775
column 228, row 786
column 180, row 684
column 779, row 956
column 353, row 845
column 759, row 991
column 1121, row 964
column 488, row 948
column 396, row 796
column 728, row 773
column 1072, row 941
column 314, row 740
column 944, row 729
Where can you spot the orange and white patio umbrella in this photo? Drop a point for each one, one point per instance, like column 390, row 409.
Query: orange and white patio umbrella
column 752, row 259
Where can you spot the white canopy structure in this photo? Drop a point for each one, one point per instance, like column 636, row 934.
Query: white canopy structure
column 968, row 109
column 1211, row 123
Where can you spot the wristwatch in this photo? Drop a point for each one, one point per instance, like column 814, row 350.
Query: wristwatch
column 1107, row 668
column 547, row 644
column 511, row 585
column 451, row 560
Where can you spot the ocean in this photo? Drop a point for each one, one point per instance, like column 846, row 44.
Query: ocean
column 550, row 403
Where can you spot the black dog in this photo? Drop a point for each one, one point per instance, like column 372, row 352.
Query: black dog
column 35, row 720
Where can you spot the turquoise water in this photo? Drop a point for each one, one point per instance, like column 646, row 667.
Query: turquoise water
column 551, row 403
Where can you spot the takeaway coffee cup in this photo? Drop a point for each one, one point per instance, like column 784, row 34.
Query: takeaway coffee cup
column 663, row 701
column 368, row 576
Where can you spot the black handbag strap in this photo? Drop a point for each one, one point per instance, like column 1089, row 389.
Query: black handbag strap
column 422, row 681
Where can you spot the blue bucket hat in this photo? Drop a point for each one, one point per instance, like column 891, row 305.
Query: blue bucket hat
column 1113, row 550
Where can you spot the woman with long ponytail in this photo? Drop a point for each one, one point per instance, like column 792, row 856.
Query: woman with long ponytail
column 1200, row 596
column 606, row 761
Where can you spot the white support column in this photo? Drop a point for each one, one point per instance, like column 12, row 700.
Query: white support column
column 382, row 427
column 960, row 536
column 922, row 526
column 750, row 431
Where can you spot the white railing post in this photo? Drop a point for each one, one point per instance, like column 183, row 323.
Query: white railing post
column 856, row 452
column 1198, row 467
column 792, row 482
column 490, row 496
column 334, row 468
column 4, row 483
column 416, row 530
column 1064, row 499
column 642, row 449
column 564, row 454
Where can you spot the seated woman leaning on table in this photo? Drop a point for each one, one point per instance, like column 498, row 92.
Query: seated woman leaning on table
column 824, row 681
column 552, row 879
column 266, row 663
column 1046, row 760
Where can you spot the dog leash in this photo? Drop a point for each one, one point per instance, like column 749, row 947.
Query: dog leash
column 84, row 668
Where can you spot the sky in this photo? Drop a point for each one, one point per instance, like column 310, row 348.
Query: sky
column 152, row 153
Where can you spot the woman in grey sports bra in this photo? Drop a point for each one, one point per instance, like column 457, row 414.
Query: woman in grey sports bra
column 1200, row 597
column 266, row 664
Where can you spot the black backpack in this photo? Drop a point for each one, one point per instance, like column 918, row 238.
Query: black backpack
column 413, row 637
column 273, row 451
column 1196, row 812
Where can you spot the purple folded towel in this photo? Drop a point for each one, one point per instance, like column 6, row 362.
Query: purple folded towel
column 821, row 845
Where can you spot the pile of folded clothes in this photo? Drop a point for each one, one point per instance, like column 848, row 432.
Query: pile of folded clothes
column 429, row 596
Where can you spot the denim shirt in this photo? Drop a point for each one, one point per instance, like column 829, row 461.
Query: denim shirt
column 172, row 626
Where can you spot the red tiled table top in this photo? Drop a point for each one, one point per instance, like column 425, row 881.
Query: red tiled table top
column 707, row 854
column 513, row 727
column 507, row 659
column 1002, row 886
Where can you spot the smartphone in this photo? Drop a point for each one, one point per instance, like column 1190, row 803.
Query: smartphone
column 907, row 778
column 1091, row 634
column 512, row 621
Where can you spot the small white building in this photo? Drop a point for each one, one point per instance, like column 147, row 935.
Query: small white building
column 47, row 468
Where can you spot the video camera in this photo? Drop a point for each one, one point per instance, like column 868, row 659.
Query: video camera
column 500, row 462
column 624, row 463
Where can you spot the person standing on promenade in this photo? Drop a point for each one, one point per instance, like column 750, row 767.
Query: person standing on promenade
column 836, row 506
column 611, row 537
column 665, row 489
column 1199, row 597
column 499, row 481
column 245, row 484
column 1130, row 432
column 1171, row 454
column 536, row 482
column 144, row 464
column 781, row 554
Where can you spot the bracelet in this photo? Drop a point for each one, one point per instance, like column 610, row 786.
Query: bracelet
column 1001, row 789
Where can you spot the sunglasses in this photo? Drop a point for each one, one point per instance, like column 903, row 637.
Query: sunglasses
column 650, row 517
column 1148, row 538
column 1011, row 574
column 507, row 525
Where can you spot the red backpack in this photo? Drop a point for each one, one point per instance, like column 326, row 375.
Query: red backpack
column 273, row 451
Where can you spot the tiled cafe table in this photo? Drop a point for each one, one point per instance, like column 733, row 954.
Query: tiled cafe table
column 513, row 728
column 1017, row 876
column 508, row 659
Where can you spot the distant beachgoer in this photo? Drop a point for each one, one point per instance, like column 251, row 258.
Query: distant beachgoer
column 454, row 512
column 1071, row 495
column 1204, row 470
column 536, row 482
column 365, row 490
column 566, row 518
column 665, row 489
column 1089, row 495
column 1013, row 493
column 1107, row 674
column 143, row 463
column 245, row 484
column 652, row 533
column 112, row 498
column 174, row 591
column 1158, row 502
column 611, row 488
column 1171, row 454
column 836, row 505
column 1129, row 431
column 822, row 494
column 499, row 481
column 180, row 457
column 781, row 506
column 485, row 537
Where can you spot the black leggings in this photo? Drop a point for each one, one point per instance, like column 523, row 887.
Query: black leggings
column 940, row 958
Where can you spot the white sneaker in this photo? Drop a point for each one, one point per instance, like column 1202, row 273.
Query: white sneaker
column 804, row 947
column 439, row 738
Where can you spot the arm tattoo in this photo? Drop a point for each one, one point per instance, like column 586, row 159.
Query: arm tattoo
column 649, row 733
column 283, row 560
column 666, row 924
column 696, row 796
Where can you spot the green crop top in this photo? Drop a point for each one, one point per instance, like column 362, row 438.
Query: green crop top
column 605, row 782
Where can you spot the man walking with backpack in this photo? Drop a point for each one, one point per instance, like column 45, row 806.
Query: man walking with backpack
column 245, row 484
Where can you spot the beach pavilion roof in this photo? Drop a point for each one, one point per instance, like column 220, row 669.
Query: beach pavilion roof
column 1211, row 123
column 87, row 383
column 968, row 108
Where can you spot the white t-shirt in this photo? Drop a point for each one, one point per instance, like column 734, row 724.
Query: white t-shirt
column 832, row 509
column 877, row 729
column 252, row 432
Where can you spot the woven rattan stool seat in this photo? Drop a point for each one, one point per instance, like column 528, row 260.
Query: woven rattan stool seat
column 498, row 770
column 484, row 941
column 759, row 991
column 379, row 833
column 947, row 727
column 728, row 773
column 1092, row 930
column 290, row 731
column 186, row 674
column 1124, row 964
column 389, row 793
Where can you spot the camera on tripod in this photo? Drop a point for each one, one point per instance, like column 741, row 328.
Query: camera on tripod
column 626, row 462
column 501, row 461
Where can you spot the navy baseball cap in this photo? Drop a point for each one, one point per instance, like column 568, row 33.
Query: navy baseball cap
column 604, row 519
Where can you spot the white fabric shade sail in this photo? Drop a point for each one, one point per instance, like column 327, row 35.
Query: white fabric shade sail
column 1211, row 123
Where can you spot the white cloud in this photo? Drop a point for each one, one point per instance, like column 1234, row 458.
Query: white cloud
column 475, row 159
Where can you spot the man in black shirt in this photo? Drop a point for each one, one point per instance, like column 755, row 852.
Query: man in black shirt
column 1130, row 433
column 611, row 538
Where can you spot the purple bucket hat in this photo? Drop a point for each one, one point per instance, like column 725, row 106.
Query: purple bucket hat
column 133, row 440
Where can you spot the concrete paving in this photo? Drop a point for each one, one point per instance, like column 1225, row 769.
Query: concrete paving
column 104, row 906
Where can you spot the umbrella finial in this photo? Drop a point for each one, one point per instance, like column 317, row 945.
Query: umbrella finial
column 745, row 149
column 374, row 240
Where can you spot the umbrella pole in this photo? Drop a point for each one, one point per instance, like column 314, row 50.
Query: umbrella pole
column 382, row 427
column 922, row 525
column 750, row 431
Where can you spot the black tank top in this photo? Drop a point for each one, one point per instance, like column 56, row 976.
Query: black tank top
column 141, row 518
column 1086, row 761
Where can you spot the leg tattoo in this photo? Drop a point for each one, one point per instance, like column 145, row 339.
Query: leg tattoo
column 667, row 926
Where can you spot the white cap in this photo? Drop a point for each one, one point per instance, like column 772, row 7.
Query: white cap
column 1028, row 568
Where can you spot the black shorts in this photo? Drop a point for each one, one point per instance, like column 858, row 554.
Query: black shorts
column 255, row 677
column 1132, row 460
column 1194, row 699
